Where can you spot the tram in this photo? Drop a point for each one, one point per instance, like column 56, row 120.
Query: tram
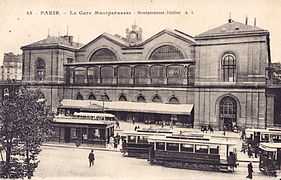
column 256, row 136
column 270, row 158
column 135, row 143
column 192, row 153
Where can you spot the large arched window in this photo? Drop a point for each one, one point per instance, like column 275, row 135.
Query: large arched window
column 141, row 98
column 228, row 68
column 174, row 100
column 228, row 112
column 103, row 54
column 156, row 99
column 166, row 52
column 40, row 69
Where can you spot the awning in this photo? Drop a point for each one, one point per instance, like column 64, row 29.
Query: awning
column 69, row 120
column 159, row 108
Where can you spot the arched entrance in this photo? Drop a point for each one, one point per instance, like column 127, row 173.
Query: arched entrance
column 228, row 113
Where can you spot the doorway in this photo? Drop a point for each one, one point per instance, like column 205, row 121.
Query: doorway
column 228, row 113
column 67, row 134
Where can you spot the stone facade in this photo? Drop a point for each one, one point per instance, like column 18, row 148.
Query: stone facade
column 221, row 71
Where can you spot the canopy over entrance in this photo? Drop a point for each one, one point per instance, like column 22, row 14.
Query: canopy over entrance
column 158, row 108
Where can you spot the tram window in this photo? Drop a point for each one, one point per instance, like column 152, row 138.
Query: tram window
column 172, row 147
column 214, row 149
column 276, row 138
column 186, row 147
column 265, row 137
column 160, row 145
column 201, row 149
column 131, row 139
column 142, row 139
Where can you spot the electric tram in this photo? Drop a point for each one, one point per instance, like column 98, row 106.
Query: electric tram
column 270, row 158
column 192, row 153
column 257, row 136
column 135, row 143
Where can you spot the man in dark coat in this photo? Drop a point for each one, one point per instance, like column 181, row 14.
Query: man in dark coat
column 91, row 158
column 250, row 171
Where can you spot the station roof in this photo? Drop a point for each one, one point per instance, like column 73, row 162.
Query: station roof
column 231, row 28
column 159, row 108
column 54, row 41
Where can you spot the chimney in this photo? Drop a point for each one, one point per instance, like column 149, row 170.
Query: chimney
column 70, row 39
column 229, row 18
column 255, row 22
column 246, row 20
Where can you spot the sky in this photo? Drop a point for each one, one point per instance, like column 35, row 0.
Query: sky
column 18, row 27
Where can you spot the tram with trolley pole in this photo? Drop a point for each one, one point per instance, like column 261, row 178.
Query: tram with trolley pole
column 270, row 158
column 192, row 153
column 256, row 136
column 135, row 144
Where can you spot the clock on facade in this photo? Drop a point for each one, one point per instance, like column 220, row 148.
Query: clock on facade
column 133, row 36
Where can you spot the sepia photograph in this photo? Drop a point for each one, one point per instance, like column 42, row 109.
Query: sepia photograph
column 140, row 89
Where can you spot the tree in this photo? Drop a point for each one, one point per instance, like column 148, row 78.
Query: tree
column 24, row 123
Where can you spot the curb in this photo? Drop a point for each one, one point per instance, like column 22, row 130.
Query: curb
column 74, row 147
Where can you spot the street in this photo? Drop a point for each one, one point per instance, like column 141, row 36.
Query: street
column 72, row 163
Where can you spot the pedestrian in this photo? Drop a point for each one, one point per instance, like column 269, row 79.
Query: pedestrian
column 256, row 151
column 210, row 129
column 250, row 171
column 250, row 152
column 91, row 158
column 118, row 138
column 115, row 143
column 111, row 142
column 117, row 125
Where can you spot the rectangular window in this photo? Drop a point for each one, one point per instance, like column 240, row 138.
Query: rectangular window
column 265, row 137
column 186, row 147
column 201, row 149
column 142, row 139
column 214, row 149
column 132, row 139
column 160, row 146
column 172, row 147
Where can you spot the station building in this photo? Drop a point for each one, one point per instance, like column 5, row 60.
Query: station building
column 215, row 78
